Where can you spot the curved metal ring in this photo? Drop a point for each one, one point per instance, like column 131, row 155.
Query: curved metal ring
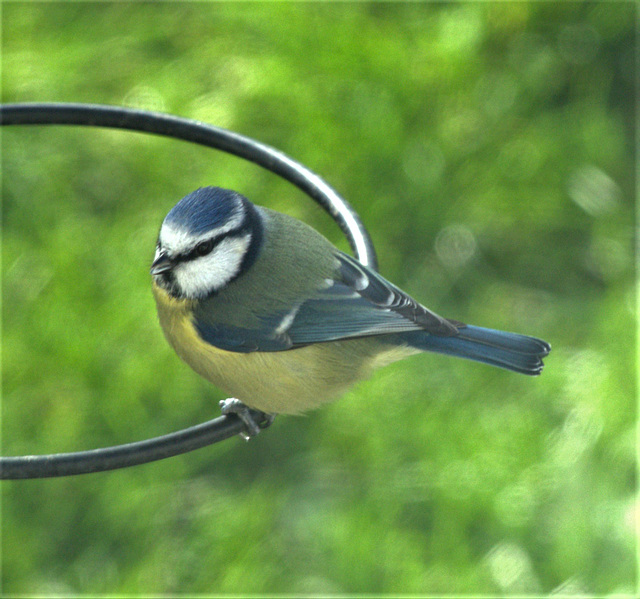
column 94, row 115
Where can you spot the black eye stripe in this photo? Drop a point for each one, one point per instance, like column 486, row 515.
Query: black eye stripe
column 201, row 249
column 206, row 247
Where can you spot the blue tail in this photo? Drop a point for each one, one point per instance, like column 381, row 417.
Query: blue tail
column 498, row 348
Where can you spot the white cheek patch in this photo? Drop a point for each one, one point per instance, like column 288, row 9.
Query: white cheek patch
column 199, row 277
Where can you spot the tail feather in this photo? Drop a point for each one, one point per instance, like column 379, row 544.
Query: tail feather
column 498, row 348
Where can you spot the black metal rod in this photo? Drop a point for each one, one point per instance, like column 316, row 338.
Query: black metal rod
column 224, row 427
column 129, row 454
column 95, row 115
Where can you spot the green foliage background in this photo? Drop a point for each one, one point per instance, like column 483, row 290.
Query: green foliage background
column 489, row 147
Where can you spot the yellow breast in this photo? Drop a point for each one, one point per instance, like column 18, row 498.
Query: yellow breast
column 286, row 382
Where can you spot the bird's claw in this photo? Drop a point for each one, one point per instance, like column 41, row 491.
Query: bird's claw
column 235, row 406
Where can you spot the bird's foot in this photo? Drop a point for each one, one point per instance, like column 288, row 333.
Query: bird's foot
column 253, row 427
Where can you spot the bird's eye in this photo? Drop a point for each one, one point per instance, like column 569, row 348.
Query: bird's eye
column 202, row 249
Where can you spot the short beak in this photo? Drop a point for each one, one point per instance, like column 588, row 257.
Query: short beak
column 161, row 264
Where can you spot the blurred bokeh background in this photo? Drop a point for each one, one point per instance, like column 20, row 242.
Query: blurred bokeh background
column 489, row 147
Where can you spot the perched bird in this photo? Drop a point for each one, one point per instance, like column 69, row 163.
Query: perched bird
column 268, row 310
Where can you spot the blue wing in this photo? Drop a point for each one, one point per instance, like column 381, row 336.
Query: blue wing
column 356, row 302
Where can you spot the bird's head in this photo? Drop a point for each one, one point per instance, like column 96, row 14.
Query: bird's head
column 208, row 239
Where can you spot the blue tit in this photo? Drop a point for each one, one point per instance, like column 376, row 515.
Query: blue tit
column 268, row 310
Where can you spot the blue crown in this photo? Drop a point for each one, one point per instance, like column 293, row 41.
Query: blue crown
column 204, row 209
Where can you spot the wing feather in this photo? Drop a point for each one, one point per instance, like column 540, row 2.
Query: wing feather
column 356, row 302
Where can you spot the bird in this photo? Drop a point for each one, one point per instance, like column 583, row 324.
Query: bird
column 268, row 310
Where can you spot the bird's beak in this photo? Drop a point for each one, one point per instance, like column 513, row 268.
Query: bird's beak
column 161, row 264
